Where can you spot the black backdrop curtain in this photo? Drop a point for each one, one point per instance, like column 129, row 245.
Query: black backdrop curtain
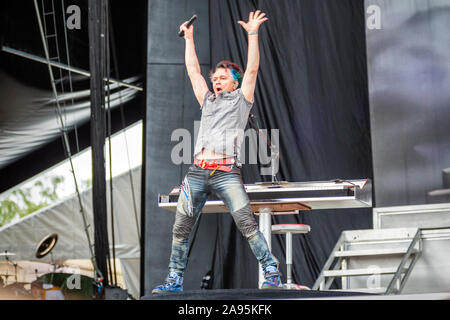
column 312, row 86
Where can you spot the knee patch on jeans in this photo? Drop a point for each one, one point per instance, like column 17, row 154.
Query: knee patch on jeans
column 245, row 221
column 182, row 226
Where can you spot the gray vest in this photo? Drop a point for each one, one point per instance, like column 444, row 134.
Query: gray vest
column 223, row 122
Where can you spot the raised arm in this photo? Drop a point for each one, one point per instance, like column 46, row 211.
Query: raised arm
column 255, row 20
column 193, row 66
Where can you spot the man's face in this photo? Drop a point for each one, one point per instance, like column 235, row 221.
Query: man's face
column 36, row 292
column 222, row 80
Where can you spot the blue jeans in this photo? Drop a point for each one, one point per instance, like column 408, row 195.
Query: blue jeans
column 228, row 187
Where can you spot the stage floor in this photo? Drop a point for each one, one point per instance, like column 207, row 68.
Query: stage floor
column 251, row 294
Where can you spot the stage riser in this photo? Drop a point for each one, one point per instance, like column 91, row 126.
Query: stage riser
column 251, row 294
column 432, row 271
column 420, row 216
column 430, row 274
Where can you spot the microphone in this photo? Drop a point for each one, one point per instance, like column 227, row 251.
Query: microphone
column 190, row 23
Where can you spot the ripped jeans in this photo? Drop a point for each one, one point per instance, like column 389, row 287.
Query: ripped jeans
column 228, row 187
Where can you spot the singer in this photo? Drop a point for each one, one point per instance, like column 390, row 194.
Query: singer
column 216, row 166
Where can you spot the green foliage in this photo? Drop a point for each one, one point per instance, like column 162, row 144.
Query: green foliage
column 21, row 202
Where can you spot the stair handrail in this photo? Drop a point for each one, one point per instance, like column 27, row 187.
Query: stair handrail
column 396, row 277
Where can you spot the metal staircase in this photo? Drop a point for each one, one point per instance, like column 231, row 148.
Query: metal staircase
column 372, row 261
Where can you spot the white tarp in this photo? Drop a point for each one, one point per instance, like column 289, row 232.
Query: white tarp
column 29, row 120
column 65, row 219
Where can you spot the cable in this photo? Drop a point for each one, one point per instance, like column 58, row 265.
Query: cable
column 69, row 72
column 108, row 72
column 268, row 143
column 122, row 117
column 57, row 57
column 66, row 144
column 342, row 181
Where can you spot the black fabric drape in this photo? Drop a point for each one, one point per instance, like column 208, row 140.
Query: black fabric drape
column 312, row 86
column 98, row 48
